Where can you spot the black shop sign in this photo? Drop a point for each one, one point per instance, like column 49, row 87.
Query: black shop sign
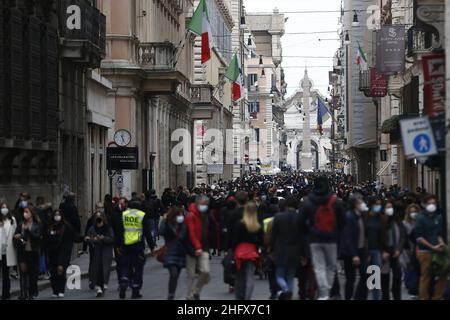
column 120, row 158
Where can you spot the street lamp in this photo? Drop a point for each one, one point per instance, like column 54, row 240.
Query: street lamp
column 355, row 22
column 347, row 39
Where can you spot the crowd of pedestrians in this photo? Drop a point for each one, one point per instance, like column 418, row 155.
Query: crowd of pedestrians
column 325, row 230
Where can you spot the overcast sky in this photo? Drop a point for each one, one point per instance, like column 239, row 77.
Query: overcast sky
column 305, row 44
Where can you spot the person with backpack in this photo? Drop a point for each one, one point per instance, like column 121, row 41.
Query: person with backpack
column 153, row 208
column 323, row 218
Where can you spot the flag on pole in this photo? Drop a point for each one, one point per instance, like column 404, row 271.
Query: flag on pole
column 361, row 60
column 323, row 114
column 235, row 74
column 201, row 26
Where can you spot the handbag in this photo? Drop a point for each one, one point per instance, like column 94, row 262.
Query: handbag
column 160, row 254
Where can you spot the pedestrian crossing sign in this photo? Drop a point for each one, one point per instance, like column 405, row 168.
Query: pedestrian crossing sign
column 418, row 138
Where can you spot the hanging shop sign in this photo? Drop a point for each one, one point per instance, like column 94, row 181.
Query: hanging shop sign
column 378, row 84
column 119, row 158
column 391, row 49
column 434, row 84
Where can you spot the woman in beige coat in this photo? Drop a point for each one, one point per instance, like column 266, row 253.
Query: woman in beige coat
column 8, row 257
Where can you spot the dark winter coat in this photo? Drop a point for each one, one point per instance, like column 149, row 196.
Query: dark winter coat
column 101, row 253
column 70, row 214
column 34, row 236
column 58, row 241
column 308, row 217
column 286, row 241
column 176, row 241
column 350, row 235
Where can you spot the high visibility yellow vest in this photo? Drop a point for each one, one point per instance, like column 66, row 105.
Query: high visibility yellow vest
column 266, row 224
column 133, row 224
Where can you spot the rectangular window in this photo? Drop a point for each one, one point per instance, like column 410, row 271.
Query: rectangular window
column 252, row 79
column 253, row 109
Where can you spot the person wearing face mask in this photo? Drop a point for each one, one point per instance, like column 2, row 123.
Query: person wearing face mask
column 353, row 249
column 394, row 240
column 174, row 231
column 58, row 241
column 429, row 238
column 28, row 242
column 100, row 237
column 374, row 237
column 8, row 258
column 411, row 266
column 23, row 202
column 200, row 225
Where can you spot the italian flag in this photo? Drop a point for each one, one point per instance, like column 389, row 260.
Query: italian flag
column 234, row 74
column 201, row 26
column 361, row 58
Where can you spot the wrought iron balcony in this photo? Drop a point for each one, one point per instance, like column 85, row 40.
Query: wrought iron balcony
column 83, row 32
column 364, row 82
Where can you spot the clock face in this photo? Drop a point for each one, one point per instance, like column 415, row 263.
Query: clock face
column 122, row 138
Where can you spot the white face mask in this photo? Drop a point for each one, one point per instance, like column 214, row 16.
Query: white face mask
column 57, row 218
column 5, row 211
column 413, row 215
column 363, row 207
column 431, row 208
column 203, row 208
column 389, row 212
column 180, row 219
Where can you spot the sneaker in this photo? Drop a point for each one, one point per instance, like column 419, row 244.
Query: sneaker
column 230, row 289
column 323, row 298
column 196, row 296
column 54, row 296
column 171, row 297
column 99, row 293
column 105, row 287
column 61, row 295
column 122, row 293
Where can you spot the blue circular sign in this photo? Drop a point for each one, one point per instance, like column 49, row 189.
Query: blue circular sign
column 422, row 143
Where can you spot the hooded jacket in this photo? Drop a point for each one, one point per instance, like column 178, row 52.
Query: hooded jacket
column 320, row 195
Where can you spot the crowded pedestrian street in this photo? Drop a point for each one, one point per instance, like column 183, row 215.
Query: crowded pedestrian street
column 224, row 150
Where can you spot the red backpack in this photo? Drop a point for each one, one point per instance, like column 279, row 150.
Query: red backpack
column 325, row 220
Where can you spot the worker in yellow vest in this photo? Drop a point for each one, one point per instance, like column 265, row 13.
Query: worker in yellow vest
column 134, row 226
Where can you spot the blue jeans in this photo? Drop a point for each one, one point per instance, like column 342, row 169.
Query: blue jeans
column 375, row 260
column 132, row 268
column 285, row 278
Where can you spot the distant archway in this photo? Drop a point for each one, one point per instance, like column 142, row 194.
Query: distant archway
column 314, row 151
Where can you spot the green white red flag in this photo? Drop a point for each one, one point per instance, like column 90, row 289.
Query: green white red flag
column 200, row 26
column 235, row 74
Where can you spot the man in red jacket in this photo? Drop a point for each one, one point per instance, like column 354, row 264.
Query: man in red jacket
column 198, row 224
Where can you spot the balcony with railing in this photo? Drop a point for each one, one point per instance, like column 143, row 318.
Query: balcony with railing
column 157, row 61
column 364, row 82
column 83, row 31
column 204, row 104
